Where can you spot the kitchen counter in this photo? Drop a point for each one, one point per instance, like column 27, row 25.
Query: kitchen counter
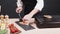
column 36, row 30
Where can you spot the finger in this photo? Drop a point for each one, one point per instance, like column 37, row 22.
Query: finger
column 24, row 19
column 18, row 10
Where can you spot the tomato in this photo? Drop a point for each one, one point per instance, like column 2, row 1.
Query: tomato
column 11, row 27
column 16, row 30
column 12, row 24
column 12, row 30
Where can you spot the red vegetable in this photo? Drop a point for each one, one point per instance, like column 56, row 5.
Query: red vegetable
column 11, row 25
column 16, row 30
column 12, row 30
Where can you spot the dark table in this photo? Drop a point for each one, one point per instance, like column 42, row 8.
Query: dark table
column 54, row 23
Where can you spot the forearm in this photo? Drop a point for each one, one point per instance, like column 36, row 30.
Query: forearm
column 33, row 12
column 19, row 3
column 39, row 6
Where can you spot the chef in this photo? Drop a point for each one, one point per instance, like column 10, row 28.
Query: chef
column 29, row 8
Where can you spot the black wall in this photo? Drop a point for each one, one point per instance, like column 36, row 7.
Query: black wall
column 50, row 7
column 9, row 7
column 0, row 2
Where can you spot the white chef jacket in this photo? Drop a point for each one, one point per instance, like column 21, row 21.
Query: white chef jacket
column 39, row 5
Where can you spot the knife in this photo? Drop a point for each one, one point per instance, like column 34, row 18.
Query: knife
column 20, row 18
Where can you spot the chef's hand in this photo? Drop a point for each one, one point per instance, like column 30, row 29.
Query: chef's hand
column 27, row 17
column 19, row 9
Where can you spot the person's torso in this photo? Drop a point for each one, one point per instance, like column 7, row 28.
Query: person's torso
column 29, row 5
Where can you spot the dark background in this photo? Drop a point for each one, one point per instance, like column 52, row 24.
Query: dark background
column 51, row 7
